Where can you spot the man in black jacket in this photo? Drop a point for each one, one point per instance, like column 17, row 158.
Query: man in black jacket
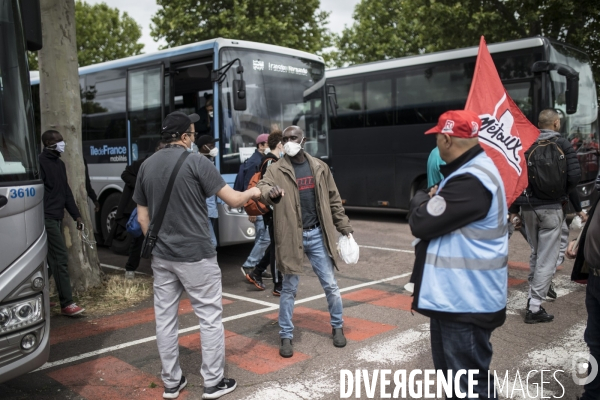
column 256, row 276
column 543, row 220
column 126, row 207
column 586, row 253
column 57, row 197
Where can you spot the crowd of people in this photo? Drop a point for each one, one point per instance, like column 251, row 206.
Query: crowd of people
column 461, row 221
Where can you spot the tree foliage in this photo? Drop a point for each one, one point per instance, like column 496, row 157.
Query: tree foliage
column 103, row 34
column 290, row 23
column 394, row 28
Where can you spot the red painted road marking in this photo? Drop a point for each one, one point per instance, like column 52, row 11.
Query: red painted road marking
column 97, row 326
column 524, row 266
column 354, row 328
column 249, row 354
column 109, row 378
column 381, row 298
column 514, row 281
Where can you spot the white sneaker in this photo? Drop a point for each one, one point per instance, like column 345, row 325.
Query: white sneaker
column 129, row 274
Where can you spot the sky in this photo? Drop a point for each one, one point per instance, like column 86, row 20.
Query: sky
column 143, row 10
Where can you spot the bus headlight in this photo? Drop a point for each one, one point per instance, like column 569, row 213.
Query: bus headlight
column 20, row 314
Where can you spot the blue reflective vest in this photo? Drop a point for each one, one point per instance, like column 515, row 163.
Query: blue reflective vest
column 466, row 270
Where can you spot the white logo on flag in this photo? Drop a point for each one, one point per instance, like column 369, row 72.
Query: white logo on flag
column 496, row 132
column 448, row 127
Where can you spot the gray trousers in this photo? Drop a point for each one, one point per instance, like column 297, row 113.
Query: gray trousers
column 202, row 282
column 543, row 235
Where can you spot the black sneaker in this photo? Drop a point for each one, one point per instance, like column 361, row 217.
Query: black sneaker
column 339, row 340
column 256, row 280
column 173, row 393
column 551, row 292
column 286, row 350
column 538, row 317
column 221, row 389
column 277, row 291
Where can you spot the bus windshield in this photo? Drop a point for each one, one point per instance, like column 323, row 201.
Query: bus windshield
column 280, row 91
column 580, row 128
column 17, row 144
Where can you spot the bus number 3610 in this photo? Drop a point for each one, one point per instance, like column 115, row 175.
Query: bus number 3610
column 22, row 192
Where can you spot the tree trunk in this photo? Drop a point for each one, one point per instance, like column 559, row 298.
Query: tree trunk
column 60, row 109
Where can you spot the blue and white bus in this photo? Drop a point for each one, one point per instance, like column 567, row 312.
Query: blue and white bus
column 24, row 301
column 124, row 102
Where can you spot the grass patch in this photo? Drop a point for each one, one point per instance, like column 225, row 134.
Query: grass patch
column 114, row 294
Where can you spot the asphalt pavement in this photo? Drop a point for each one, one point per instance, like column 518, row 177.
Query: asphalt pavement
column 115, row 357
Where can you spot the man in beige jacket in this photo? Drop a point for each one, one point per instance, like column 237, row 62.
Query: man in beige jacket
column 307, row 212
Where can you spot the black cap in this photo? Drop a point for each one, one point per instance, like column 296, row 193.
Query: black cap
column 177, row 123
column 205, row 139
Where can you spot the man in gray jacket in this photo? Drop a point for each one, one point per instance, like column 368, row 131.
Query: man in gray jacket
column 543, row 219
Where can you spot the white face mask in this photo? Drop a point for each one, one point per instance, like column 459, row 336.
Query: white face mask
column 60, row 146
column 211, row 113
column 213, row 152
column 267, row 151
column 292, row 148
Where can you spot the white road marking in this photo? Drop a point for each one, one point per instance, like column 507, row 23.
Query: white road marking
column 270, row 307
column 558, row 356
column 120, row 268
column 398, row 348
column 360, row 285
column 251, row 300
column 387, row 248
column 517, row 300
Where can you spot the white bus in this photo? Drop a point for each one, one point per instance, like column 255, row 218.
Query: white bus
column 24, row 302
column 124, row 102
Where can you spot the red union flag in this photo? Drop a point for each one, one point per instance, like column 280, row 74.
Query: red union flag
column 505, row 132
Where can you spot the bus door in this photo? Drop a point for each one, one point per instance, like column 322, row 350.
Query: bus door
column 191, row 91
column 145, row 110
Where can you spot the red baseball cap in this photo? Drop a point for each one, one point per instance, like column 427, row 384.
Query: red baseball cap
column 458, row 123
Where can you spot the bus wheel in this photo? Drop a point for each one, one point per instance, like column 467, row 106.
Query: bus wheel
column 420, row 185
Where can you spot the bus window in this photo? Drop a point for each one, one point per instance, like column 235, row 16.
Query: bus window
column 378, row 106
column 426, row 92
column 103, row 123
column 144, row 108
column 350, row 102
column 521, row 93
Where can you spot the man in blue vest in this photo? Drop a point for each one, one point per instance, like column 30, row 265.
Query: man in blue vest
column 460, row 271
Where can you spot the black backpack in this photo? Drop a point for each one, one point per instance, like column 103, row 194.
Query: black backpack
column 547, row 169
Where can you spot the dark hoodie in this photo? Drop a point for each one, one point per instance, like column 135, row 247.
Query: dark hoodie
column 57, row 193
column 573, row 176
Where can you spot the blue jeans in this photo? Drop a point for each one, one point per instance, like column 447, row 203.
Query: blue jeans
column 315, row 250
column 211, row 227
column 458, row 345
column 261, row 242
column 592, row 333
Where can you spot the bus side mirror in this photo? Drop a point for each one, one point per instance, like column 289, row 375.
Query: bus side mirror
column 32, row 23
column 239, row 95
column 332, row 100
column 572, row 92
column 239, row 90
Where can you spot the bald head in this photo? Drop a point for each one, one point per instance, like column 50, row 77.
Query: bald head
column 293, row 130
column 549, row 119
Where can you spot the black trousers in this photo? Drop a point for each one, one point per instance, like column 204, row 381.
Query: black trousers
column 58, row 259
column 269, row 257
column 135, row 253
